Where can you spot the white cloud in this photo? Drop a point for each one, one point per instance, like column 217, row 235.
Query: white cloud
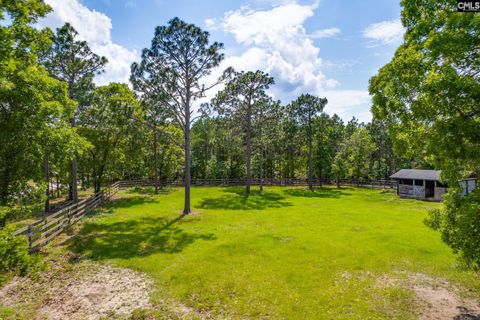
column 95, row 28
column 385, row 32
column 347, row 103
column 258, row 27
column 252, row 59
column 326, row 33
column 275, row 2
column 277, row 42
column 211, row 24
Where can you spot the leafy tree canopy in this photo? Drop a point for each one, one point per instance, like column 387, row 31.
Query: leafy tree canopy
column 430, row 96
column 429, row 92
column 34, row 107
column 72, row 61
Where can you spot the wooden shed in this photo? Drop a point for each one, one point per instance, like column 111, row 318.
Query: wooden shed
column 426, row 185
column 419, row 184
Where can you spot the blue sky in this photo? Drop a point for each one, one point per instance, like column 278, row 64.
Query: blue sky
column 326, row 48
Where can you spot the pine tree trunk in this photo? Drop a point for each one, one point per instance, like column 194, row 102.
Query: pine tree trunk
column 186, row 209
column 73, row 180
column 261, row 169
column 310, row 163
column 249, row 148
column 58, row 185
column 73, row 194
column 47, row 179
column 96, row 186
column 155, row 159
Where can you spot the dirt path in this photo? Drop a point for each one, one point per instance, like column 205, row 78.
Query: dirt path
column 441, row 299
column 444, row 300
column 88, row 291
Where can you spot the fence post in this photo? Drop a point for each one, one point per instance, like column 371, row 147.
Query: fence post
column 29, row 236
column 69, row 217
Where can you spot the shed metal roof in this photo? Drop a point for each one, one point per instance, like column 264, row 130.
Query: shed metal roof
column 417, row 174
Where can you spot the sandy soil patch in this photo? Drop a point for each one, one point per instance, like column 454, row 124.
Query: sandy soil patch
column 442, row 300
column 88, row 291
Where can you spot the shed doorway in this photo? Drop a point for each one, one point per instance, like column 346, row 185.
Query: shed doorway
column 429, row 189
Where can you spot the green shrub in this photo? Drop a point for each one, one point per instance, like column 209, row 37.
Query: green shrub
column 459, row 224
column 14, row 257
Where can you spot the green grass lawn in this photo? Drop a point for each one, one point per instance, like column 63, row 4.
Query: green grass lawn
column 287, row 253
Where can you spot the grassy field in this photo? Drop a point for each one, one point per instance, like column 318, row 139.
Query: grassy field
column 280, row 254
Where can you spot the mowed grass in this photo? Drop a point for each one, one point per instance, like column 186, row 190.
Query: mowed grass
column 286, row 253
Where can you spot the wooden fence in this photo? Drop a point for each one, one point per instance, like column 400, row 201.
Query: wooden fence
column 255, row 182
column 47, row 228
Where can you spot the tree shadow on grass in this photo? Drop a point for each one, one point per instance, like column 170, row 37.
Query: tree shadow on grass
column 133, row 238
column 317, row 193
column 148, row 191
column 113, row 204
column 236, row 199
column 128, row 202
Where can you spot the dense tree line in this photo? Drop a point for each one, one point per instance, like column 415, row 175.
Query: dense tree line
column 280, row 149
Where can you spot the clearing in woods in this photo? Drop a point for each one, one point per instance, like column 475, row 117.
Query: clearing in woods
column 287, row 253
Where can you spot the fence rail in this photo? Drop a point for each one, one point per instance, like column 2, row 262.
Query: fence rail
column 41, row 232
column 256, row 182
column 46, row 229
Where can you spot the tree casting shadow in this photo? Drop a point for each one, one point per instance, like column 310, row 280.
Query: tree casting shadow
column 317, row 193
column 133, row 238
column 236, row 199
